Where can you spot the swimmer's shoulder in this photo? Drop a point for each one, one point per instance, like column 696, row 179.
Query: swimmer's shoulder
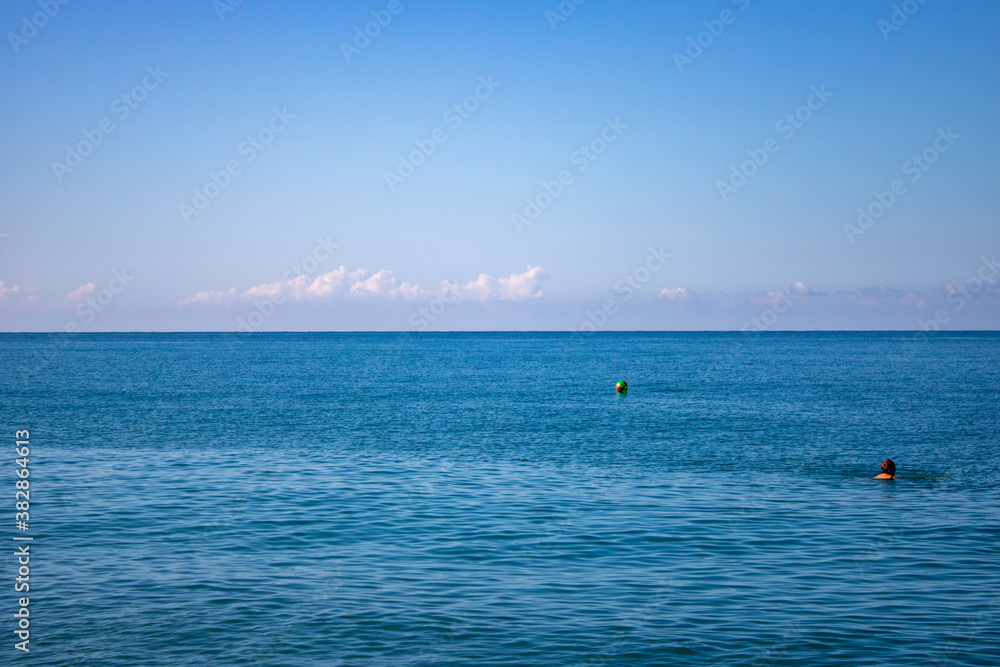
column 884, row 476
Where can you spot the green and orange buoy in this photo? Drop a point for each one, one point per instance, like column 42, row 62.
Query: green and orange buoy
column 621, row 387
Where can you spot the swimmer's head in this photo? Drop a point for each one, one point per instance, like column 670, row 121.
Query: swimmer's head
column 889, row 467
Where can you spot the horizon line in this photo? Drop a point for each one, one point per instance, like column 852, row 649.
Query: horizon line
column 483, row 331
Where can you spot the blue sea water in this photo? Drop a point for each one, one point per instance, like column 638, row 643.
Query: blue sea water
column 488, row 499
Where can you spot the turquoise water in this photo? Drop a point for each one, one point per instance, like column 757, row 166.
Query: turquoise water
column 488, row 499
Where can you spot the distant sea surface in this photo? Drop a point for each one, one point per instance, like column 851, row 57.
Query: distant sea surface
column 489, row 499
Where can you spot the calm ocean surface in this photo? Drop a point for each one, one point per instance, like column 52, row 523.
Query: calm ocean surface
column 488, row 499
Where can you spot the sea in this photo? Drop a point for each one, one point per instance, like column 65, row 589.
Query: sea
column 397, row 499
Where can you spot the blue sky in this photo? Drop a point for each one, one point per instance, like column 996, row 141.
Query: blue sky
column 612, row 120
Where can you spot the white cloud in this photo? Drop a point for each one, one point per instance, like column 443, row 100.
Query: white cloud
column 318, row 288
column 359, row 284
column 81, row 291
column 522, row 286
column 674, row 293
column 795, row 291
column 515, row 287
column 382, row 283
column 211, row 298
column 16, row 293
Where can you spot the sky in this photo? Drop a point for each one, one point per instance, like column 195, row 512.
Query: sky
column 401, row 165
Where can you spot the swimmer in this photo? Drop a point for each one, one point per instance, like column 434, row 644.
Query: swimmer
column 888, row 470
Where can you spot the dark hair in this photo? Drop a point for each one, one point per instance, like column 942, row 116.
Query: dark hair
column 889, row 467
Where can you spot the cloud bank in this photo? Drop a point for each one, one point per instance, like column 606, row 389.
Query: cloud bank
column 358, row 284
column 81, row 291
column 17, row 295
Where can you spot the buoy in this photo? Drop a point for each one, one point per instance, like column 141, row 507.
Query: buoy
column 621, row 387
